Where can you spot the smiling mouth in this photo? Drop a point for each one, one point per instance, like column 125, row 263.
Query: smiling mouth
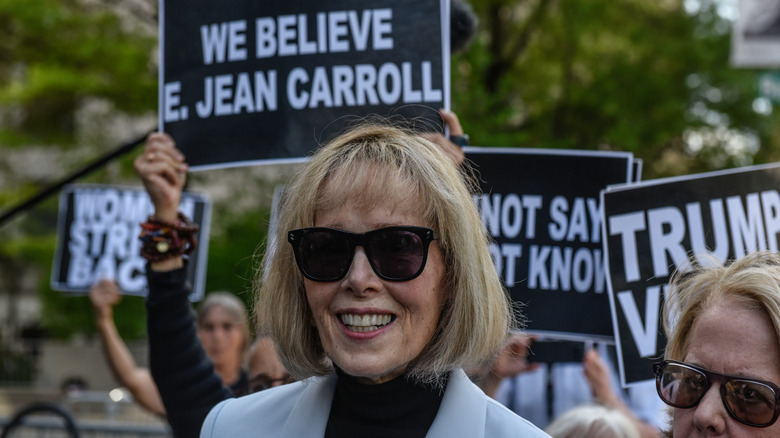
column 365, row 323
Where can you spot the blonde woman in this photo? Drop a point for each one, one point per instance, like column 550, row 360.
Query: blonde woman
column 721, row 374
column 380, row 291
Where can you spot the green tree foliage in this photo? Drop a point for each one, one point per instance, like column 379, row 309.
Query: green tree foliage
column 634, row 75
column 54, row 54
column 234, row 253
column 55, row 57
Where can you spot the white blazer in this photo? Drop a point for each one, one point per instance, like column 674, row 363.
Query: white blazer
column 301, row 410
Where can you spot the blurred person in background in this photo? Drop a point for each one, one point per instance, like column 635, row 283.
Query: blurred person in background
column 222, row 331
column 593, row 421
column 523, row 386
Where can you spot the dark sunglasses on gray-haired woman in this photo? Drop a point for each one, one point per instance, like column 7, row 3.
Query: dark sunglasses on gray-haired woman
column 749, row 401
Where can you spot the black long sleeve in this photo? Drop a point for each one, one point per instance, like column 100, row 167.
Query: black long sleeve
column 185, row 376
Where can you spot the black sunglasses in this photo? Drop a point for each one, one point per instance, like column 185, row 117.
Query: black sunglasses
column 394, row 253
column 750, row 401
column 262, row 381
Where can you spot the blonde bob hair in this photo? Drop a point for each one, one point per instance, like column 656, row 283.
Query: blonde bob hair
column 751, row 282
column 375, row 163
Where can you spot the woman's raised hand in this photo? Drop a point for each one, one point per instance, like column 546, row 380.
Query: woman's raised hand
column 164, row 172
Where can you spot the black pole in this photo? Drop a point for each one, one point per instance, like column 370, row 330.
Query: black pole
column 45, row 193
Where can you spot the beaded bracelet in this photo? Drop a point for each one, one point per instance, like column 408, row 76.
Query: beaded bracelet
column 161, row 240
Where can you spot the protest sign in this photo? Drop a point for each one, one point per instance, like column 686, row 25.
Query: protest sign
column 97, row 237
column 246, row 82
column 755, row 37
column 650, row 228
column 541, row 206
column 637, row 172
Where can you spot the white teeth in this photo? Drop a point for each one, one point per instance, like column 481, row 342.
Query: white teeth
column 365, row 323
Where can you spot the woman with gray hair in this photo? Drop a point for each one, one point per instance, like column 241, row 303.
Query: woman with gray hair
column 222, row 330
column 722, row 360
column 593, row 421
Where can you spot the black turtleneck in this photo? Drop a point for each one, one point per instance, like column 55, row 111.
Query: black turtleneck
column 396, row 408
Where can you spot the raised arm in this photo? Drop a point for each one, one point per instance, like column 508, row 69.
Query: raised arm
column 510, row 361
column 164, row 172
column 453, row 151
column 188, row 384
column 599, row 377
column 104, row 296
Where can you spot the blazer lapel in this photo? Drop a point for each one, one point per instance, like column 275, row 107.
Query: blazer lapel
column 309, row 416
column 463, row 410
